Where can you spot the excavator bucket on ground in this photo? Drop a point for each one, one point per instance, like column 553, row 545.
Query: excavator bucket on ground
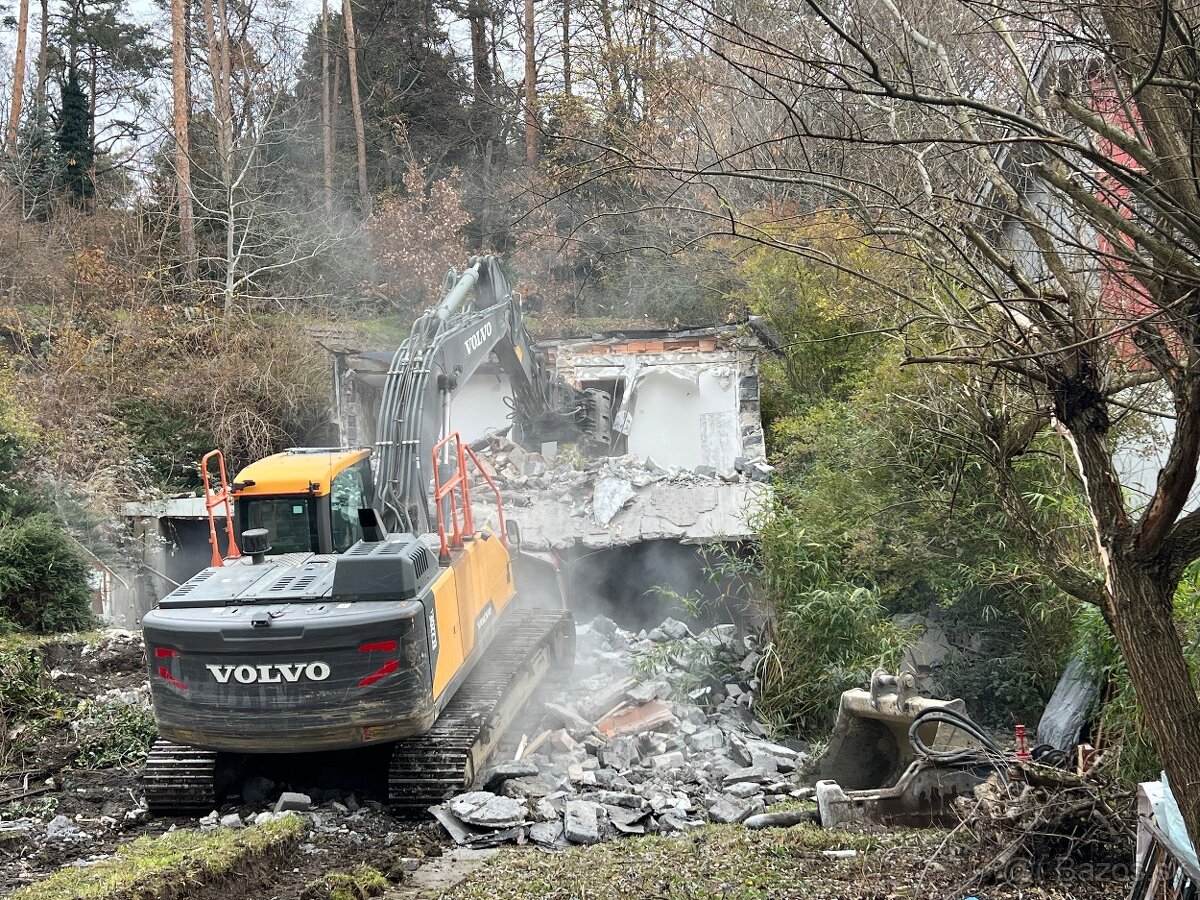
column 870, row 771
column 869, row 746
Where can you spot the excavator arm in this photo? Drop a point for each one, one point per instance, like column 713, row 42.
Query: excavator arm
column 478, row 317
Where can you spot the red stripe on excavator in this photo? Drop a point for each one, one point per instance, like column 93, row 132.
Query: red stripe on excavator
column 378, row 647
column 165, row 652
column 385, row 670
column 171, row 679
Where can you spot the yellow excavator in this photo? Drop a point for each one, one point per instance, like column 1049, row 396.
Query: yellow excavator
column 359, row 605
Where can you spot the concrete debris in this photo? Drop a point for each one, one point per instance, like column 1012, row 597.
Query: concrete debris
column 60, row 828
column 289, row 800
column 487, row 810
column 581, row 821
column 650, row 716
column 495, row 777
column 669, row 630
column 728, row 810
column 618, row 500
column 548, row 834
column 609, row 497
column 620, row 754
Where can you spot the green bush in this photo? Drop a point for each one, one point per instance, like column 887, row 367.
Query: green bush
column 43, row 578
column 172, row 442
column 827, row 634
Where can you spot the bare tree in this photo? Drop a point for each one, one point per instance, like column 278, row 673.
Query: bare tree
column 183, row 159
column 360, row 137
column 530, row 87
column 565, row 48
column 326, row 112
column 1035, row 162
column 18, row 86
column 258, row 233
column 43, row 53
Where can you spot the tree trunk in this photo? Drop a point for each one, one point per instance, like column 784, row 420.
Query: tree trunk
column 218, row 66
column 183, row 162
column 18, row 91
column 336, row 113
column 360, row 137
column 481, row 69
column 609, row 60
column 92, row 99
column 566, row 48
column 216, row 24
column 43, row 64
column 530, row 88
column 1142, row 618
column 326, row 111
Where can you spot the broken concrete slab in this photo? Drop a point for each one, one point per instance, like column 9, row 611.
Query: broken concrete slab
column 290, row 800
column 756, row 774
column 669, row 630
column 483, row 809
column 581, row 821
column 609, row 496
column 549, row 835
column 706, row 740
column 570, row 718
column 530, row 787
column 729, row 811
column 744, row 790
column 495, row 777
column 627, row 821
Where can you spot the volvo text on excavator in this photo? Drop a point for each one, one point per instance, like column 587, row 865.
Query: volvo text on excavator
column 361, row 608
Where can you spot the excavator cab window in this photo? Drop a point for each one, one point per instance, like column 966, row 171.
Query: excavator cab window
column 349, row 492
column 291, row 520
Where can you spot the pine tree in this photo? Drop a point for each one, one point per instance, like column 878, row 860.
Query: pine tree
column 75, row 150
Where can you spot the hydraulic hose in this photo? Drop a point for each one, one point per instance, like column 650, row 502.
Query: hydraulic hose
column 987, row 753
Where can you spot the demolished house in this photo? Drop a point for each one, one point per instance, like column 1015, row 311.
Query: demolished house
column 685, row 469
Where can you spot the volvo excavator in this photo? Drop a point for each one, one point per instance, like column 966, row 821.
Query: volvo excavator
column 358, row 607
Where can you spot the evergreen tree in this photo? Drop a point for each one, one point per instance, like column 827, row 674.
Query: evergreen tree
column 75, row 150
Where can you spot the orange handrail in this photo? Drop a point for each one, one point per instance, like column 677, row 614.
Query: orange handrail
column 213, row 499
column 442, row 490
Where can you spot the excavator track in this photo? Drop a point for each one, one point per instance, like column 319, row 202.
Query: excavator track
column 180, row 779
column 428, row 768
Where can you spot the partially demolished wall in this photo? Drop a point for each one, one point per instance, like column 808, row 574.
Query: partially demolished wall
column 687, row 457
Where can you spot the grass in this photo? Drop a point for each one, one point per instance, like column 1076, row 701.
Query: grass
column 721, row 861
column 112, row 734
column 171, row 864
column 359, row 884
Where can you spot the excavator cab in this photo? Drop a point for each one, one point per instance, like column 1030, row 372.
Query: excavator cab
column 308, row 498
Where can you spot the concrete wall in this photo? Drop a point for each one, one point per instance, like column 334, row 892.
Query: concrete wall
column 481, row 406
column 687, row 419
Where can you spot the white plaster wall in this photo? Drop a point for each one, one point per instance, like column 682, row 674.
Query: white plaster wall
column 480, row 406
column 686, row 418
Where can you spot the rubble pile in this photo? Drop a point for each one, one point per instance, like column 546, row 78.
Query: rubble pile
column 597, row 488
column 617, row 754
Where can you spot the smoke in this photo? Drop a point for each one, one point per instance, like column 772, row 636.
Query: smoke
column 640, row 585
